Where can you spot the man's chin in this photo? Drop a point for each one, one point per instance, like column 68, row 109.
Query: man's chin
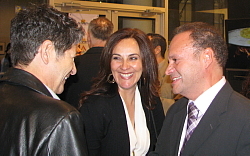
column 59, row 90
column 175, row 91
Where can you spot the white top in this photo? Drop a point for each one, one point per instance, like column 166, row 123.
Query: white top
column 52, row 93
column 139, row 136
column 202, row 103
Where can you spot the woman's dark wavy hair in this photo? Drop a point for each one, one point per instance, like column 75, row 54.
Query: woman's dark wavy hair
column 148, row 83
column 32, row 26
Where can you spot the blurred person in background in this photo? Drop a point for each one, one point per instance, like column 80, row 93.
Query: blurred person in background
column 246, row 87
column 160, row 45
column 88, row 64
column 6, row 61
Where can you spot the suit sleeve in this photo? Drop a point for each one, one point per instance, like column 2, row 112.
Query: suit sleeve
column 68, row 137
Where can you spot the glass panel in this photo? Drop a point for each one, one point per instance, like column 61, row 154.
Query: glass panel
column 153, row 3
column 145, row 24
column 184, row 11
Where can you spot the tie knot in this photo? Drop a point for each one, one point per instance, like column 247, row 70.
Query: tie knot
column 193, row 111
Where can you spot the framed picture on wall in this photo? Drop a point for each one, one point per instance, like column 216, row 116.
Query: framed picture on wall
column 2, row 46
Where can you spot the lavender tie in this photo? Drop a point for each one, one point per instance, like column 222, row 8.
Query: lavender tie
column 193, row 112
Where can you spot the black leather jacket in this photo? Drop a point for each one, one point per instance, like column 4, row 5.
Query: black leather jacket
column 33, row 123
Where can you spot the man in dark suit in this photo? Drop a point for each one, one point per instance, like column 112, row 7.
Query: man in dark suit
column 212, row 119
column 87, row 65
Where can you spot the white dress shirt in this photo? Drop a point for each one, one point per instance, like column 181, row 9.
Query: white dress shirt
column 52, row 93
column 202, row 103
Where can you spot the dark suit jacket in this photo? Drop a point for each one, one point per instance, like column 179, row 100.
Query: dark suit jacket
column 224, row 129
column 106, row 126
column 87, row 66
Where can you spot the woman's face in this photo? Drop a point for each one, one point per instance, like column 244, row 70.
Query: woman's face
column 126, row 64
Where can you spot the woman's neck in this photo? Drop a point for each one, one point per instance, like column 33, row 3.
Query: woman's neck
column 129, row 99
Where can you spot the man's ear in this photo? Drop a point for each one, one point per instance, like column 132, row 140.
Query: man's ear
column 208, row 56
column 46, row 51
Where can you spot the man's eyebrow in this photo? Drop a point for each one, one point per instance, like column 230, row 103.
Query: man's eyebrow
column 171, row 57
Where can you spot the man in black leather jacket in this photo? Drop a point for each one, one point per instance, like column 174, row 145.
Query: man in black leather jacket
column 33, row 120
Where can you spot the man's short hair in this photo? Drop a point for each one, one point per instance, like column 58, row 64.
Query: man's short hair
column 32, row 26
column 101, row 28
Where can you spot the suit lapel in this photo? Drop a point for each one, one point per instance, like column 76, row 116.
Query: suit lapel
column 207, row 125
column 119, row 119
column 210, row 120
column 176, row 130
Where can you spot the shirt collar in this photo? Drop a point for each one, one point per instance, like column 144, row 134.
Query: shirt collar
column 52, row 93
column 206, row 98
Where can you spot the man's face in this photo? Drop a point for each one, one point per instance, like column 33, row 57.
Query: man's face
column 185, row 69
column 63, row 67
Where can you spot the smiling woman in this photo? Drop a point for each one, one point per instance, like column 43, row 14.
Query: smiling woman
column 123, row 106
column 126, row 64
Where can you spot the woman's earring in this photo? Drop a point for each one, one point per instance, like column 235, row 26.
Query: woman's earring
column 110, row 81
column 142, row 81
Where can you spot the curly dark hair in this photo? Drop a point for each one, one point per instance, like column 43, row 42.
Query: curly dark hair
column 148, row 83
column 32, row 26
